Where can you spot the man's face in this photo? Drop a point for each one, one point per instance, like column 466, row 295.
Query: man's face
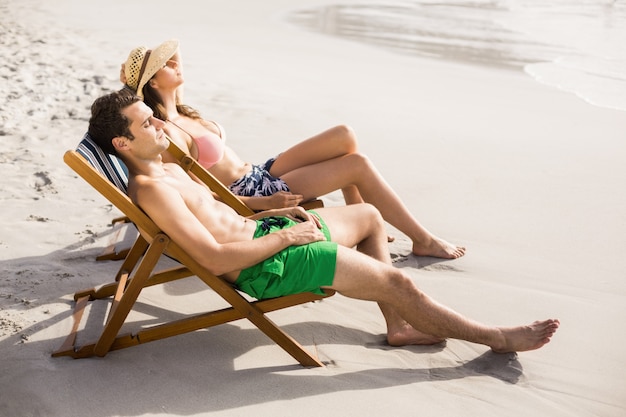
column 147, row 129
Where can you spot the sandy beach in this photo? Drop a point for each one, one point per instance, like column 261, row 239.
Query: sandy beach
column 529, row 178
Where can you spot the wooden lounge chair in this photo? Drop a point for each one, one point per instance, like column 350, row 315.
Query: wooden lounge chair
column 138, row 272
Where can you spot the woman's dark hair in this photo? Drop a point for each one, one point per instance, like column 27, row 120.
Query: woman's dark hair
column 107, row 120
column 154, row 101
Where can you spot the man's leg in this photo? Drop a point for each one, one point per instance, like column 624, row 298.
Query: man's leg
column 362, row 277
column 363, row 227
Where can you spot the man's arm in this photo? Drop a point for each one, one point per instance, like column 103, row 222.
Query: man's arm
column 166, row 207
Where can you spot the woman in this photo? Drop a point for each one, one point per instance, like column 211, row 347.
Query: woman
column 317, row 166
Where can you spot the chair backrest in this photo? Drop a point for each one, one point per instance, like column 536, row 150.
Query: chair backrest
column 108, row 165
column 111, row 192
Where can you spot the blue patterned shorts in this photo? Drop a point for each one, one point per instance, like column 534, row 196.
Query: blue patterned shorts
column 258, row 182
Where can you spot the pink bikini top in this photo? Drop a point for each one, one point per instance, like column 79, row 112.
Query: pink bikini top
column 210, row 146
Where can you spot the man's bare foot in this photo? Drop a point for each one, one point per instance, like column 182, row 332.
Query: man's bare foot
column 407, row 335
column 438, row 248
column 521, row 338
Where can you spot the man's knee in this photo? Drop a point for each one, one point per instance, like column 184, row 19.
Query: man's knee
column 373, row 213
column 371, row 221
column 369, row 214
column 398, row 282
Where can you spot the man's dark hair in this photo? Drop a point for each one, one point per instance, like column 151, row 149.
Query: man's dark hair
column 107, row 120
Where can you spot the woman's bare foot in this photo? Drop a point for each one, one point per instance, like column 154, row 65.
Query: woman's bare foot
column 438, row 248
column 521, row 338
column 407, row 335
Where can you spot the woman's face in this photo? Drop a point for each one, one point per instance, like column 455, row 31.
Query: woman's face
column 170, row 75
column 175, row 62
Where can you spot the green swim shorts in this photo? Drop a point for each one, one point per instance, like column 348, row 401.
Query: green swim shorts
column 293, row 270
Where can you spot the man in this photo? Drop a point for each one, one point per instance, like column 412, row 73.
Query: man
column 289, row 250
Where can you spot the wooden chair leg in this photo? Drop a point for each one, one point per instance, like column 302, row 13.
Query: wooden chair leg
column 256, row 316
column 127, row 297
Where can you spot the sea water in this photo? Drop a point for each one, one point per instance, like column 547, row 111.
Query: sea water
column 576, row 45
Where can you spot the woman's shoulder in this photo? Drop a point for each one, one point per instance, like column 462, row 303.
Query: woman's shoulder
column 177, row 136
column 216, row 128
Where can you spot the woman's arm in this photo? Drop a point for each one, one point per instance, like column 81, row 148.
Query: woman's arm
column 281, row 199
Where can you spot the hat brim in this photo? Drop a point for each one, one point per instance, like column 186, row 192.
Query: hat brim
column 157, row 59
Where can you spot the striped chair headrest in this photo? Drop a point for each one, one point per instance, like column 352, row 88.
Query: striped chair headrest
column 109, row 165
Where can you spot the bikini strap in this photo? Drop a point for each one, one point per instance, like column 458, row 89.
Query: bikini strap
column 219, row 127
column 180, row 128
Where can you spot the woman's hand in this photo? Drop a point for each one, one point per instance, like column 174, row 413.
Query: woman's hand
column 279, row 200
column 284, row 199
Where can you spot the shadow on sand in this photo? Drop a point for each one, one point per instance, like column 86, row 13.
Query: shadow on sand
column 192, row 373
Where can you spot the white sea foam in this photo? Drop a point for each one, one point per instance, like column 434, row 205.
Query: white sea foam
column 591, row 62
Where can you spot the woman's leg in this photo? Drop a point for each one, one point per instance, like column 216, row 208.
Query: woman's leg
column 355, row 169
column 332, row 143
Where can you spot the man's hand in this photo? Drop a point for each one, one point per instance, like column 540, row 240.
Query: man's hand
column 297, row 214
column 303, row 233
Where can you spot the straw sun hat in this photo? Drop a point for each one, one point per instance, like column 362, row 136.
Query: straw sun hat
column 143, row 63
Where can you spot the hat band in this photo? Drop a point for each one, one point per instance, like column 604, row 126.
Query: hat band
column 143, row 67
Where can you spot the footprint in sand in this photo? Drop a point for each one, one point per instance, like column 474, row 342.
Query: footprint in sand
column 43, row 183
